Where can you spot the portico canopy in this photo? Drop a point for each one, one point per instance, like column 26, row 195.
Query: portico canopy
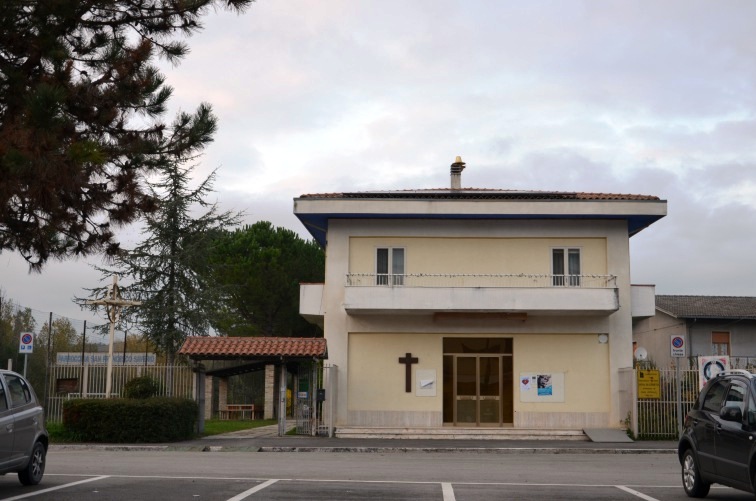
column 257, row 348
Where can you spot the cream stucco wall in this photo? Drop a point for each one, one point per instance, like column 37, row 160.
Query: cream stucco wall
column 477, row 255
column 377, row 379
column 337, row 323
column 584, row 362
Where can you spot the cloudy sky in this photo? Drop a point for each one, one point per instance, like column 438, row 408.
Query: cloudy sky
column 654, row 98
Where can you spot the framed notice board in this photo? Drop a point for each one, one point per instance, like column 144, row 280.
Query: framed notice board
column 649, row 384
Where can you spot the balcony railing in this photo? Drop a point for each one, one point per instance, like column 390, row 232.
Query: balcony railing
column 522, row 280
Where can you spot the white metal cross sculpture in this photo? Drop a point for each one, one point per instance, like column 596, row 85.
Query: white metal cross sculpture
column 114, row 305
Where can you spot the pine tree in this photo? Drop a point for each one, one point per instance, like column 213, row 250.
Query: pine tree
column 81, row 117
column 259, row 268
column 166, row 269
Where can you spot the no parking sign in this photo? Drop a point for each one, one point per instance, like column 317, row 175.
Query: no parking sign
column 27, row 343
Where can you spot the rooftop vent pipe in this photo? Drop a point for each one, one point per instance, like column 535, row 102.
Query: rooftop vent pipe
column 456, row 173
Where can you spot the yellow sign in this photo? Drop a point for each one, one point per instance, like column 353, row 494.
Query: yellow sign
column 649, row 385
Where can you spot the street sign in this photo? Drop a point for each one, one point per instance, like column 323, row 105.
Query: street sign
column 26, row 344
column 649, row 384
column 677, row 345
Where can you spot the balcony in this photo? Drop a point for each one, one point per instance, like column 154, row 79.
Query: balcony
column 311, row 303
column 529, row 294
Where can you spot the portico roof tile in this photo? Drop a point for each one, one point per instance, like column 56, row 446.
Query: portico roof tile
column 254, row 346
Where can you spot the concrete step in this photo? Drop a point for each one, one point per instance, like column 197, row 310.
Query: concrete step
column 459, row 433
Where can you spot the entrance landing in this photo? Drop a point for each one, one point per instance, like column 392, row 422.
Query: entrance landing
column 607, row 435
column 478, row 433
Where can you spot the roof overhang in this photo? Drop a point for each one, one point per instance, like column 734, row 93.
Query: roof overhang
column 315, row 213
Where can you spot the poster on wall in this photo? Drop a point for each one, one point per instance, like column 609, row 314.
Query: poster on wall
column 426, row 382
column 709, row 367
column 542, row 387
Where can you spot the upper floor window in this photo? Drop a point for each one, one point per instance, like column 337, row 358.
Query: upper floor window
column 389, row 266
column 565, row 267
column 720, row 343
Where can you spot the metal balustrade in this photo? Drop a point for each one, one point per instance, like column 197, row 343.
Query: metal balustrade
column 479, row 280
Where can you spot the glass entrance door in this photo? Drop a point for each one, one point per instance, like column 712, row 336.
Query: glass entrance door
column 478, row 390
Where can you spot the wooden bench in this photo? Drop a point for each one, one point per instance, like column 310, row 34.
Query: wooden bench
column 239, row 411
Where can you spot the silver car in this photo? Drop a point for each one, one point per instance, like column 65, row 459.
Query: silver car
column 23, row 437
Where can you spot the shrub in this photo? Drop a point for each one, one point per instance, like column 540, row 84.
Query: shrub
column 141, row 387
column 122, row 420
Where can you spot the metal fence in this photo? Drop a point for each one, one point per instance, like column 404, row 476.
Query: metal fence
column 89, row 381
column 661, row 419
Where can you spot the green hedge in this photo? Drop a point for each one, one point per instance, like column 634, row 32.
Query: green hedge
column 122, row 420
column 141, row 387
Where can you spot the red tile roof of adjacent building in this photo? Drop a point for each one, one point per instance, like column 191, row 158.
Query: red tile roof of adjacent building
column 238, row 347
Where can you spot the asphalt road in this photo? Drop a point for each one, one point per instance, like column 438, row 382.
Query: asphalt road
column 101, row 475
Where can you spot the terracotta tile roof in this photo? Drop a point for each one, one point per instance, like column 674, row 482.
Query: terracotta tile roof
column 234, row 347
column 727, row 307
column 479, row 193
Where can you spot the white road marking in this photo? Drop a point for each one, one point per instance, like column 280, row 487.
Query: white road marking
column 58, row 487
column 446, row 489
column 635, row 493
column 251, row 491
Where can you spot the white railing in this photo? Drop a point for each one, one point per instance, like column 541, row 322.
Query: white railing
column 90, row 382
column 480, row 280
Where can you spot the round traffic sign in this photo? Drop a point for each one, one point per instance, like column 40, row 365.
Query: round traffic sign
column 27, row 338
column 678, row 342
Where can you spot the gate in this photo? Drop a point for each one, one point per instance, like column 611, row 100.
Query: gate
column 315, row 399
column 661, row 419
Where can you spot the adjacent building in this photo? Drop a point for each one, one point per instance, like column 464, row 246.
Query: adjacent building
column 477, row 307
column 709, row 325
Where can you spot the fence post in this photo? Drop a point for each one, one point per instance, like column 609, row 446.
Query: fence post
column 678, row 407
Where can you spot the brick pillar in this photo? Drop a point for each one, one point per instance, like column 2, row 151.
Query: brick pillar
column 222, row 393
column 270, row 392
column 208, row 397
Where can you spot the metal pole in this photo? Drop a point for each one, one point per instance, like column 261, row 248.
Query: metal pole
column 83, row 342
column 679, row 398
column 47, row 365
column 83, row 348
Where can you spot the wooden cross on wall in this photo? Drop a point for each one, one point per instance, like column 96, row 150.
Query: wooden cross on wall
column 408, row 360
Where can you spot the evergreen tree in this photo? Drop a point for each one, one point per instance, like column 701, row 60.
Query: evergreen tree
column 167, row 269
column 259, row 269
column 81, row 107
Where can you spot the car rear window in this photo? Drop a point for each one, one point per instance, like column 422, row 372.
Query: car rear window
column 714, row 396
column 19, row 392
column 3, row 402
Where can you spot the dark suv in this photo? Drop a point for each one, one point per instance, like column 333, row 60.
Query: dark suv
column 23, row 437
column 718, row 443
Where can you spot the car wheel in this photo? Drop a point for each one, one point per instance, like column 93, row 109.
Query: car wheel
column 32, row 474
column 694, row 486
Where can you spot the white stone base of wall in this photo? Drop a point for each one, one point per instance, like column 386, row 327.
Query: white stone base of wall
column 562, row 420
column 395, row 418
